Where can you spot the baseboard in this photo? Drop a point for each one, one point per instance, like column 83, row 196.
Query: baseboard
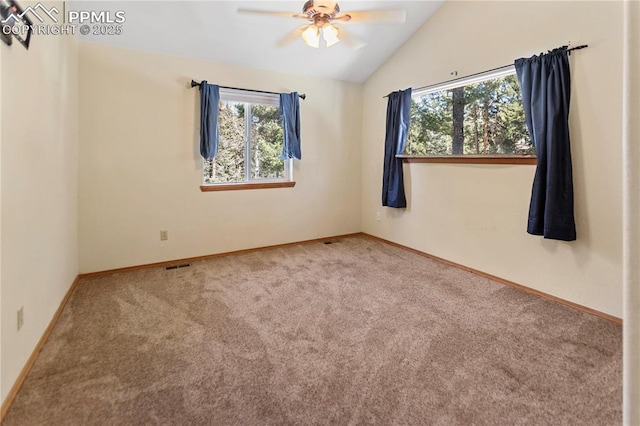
column 36, row 351
column 209, row 256
column 503, row 281
column 6, row 404
column 421, row 253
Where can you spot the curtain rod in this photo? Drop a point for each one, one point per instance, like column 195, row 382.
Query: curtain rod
column 484, row 72
column 194, row 84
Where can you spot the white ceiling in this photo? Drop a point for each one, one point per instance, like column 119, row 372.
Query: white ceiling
column 214, row 31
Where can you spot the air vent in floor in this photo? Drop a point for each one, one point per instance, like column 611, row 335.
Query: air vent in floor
column 183, row 265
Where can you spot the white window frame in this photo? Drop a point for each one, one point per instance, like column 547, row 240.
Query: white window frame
column 467, row 158
column 248, row 97
column 478, row 78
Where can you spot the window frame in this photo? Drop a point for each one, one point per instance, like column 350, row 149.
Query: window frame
column 468, row 158
column 248, row 98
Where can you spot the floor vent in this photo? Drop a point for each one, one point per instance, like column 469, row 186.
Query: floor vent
column 184, row 265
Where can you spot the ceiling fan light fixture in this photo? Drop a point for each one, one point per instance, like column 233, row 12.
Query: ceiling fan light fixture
column 311, row 36
column 320, row 16
column 330, row 35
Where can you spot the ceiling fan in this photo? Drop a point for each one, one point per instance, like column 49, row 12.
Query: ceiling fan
column 322, row 17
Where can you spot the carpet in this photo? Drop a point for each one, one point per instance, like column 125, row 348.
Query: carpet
column 353, row 332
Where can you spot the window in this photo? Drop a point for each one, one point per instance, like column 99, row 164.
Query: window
column 250, row 141
column 476, row 117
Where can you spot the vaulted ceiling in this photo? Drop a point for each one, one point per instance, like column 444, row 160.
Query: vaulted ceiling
column 213, row 30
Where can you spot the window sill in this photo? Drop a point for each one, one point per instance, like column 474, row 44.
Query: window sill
column 469, row 159
column 245, row 186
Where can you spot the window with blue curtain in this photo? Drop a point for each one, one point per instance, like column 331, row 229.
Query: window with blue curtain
column 248, row 136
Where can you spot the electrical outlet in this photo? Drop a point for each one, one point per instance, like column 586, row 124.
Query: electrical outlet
column 164, row 235
column 378, row 216
column 20, row 318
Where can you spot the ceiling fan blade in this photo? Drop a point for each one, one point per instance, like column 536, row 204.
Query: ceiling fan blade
column 291, row 37
column 351, row 41
column 383, row 15
column 271, row 13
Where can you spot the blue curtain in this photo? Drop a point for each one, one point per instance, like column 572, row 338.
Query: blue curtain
column 290, row 113
column 545, row 82
column 398, row 117
column 209, row 102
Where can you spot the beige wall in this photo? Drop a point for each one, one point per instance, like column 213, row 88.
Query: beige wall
column 39, row 190
column 140, row 170
column 476, row 214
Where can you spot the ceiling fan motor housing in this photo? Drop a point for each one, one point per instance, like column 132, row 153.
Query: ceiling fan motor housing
column 321, row 9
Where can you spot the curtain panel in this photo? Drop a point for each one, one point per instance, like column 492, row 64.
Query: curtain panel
column 398, row 117
column 209, row 103
column 545, row 82
column 290, row 113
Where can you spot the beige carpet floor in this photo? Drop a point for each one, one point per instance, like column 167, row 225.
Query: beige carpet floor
column 354, row 332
